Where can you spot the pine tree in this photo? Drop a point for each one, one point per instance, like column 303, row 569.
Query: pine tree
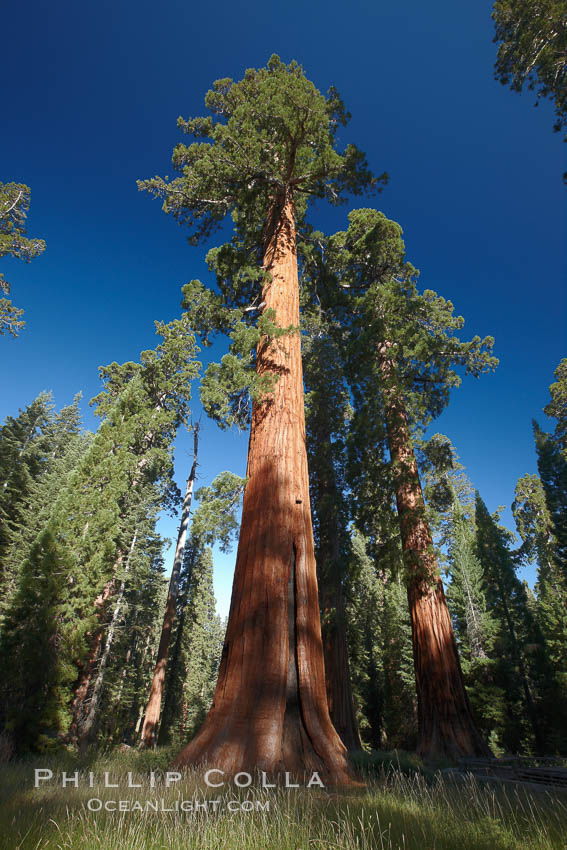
column 535, row 527
column 474, row 624
column 200, row 649
column 36, row 670
column 519, row 646
column 267, row 148
column 22, row 461
column 118, row 481
column 364, row 619
column 40, row 473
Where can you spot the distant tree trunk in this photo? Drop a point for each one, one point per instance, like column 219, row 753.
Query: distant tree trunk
column 446, row 727
column 337, row 672
column 151, row 719
column 171, row 698
column 269, row 709
column 88, row 725
column 86, row 670
column 331, row 565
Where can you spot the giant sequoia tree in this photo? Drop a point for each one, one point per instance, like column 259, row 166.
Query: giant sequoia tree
column 405, row 350
column 267, row 147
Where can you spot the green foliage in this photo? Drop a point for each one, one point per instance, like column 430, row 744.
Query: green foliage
column 379, row 300
column 138, row 626
column 557, row 407
column 523, row 669
column 215, row 520
column 228, row 388
column 14, row 207
column 475, row 625
column 107, row 505
column 38, row 449
column 35, row 662
column 552, row 468
column 201, row 647
column 380, row 651
column 269, row 138
column 532, row 51
column 270, row 133
column 403, row 806
column 197, row 641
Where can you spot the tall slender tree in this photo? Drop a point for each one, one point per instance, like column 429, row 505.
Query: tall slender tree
column 404, row 347
column 327, row 413
column 267, row 148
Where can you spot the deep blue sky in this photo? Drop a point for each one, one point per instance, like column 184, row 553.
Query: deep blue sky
column 91, row 97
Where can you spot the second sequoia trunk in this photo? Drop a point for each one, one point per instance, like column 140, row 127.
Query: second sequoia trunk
column 269, row 710
column 446, row 727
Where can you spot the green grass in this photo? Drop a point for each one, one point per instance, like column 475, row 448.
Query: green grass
column 400, row 808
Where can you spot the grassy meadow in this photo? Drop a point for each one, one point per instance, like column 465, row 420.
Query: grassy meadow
column 402, row 806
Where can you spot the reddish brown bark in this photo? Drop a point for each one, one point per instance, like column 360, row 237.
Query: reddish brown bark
column 153, row 709
column 446, row 727
column 269, row 710
column 86, row 670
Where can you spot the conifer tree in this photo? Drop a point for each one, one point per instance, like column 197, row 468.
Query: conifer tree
column 532, row 50
column 522, row 669
column 552, row 468
column 41, row 472
column 14, row 208
column 89, row 531
column 404, row 348
column 22, row 461
column 36, row 670
column 151, row 719
column 214, row 521
column 200, row 645
column 535, row 527
column 474, row 623
column 131, row 654
column 364, row 619
column 327, row 413
column 267, row 148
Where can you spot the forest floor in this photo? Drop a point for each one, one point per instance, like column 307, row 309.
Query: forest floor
column 402, row 807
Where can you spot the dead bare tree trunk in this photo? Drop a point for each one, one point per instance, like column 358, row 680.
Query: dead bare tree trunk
column 269, row 710
column 446, row 727
column 151, row 719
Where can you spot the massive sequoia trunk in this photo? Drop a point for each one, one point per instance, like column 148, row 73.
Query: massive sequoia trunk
column 269, row 709
column 151, row 719
column 446, row 727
